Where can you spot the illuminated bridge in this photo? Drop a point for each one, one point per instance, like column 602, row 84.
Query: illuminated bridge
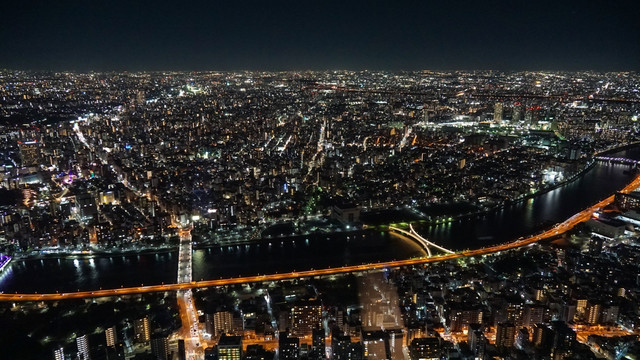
column 426, row 244
column 551, row 233
column 188, row 314
column 618, row 160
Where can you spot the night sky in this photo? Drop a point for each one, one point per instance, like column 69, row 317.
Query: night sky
column 300, row 35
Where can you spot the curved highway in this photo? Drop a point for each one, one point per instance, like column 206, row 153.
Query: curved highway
column 550, row 233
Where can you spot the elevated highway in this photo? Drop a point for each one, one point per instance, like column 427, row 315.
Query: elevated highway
column 556, row 230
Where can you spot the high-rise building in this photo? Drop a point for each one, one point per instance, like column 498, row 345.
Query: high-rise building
column 222, row 323
column 541, row 336
column 461, row 317
column 182, row 352
column 609, row 314
column 592, row 313
column 305, row 317
column 318, row 345
column 517, row 112
column 288, row 346
column 230, row 348
column 563, row 339
column 476, row 340
column 82, row 343
column 581, row 306
column 505, row 336
column 340, row 346
column 425, row 348
column 522, row 338
column 142, row 330
column 497, row 112
column 534, row 314
column 160, row 347
column 382, row 344
column 58, row 354
column 111, row 336
column 116, row 352
column 29, row 152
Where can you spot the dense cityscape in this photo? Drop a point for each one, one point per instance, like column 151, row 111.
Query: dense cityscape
column 320, row 175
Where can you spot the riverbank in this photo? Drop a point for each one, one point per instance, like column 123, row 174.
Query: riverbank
column 415, row 217
column 94, row 253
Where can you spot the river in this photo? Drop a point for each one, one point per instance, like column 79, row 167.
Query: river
column 321, row 250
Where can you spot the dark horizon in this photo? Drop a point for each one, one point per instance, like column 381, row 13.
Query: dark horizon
column 294, row 36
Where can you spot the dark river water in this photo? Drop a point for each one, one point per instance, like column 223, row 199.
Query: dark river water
column 318, row 251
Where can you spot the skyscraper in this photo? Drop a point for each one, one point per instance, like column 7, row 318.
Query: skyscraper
column 112, row 336
column 141, row 330
column 505, row 336
column 497, row 112
column 222, row 323
column 160, row 347
column 305, row 317
column 425, row 348
column 318, row 345
column 230, row 348
column 289, row 347
column 58, row 354
column 83, row 347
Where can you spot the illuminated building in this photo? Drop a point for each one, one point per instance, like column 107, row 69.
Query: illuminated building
column 141, row 330
column 505, row 336
column 305, row 317
column 346, row 213
column 534, row 314
column 87, row 205
column 581, row 306
column 563, row 339
column 425, row 348
column 58, row 354
column 522, row 338
column 382, row 344
column 609, row 228
column 592, row 313
column 541, row 335
column 230, row 348
column 160, row 348
column 83, row 347
column 476, row 340
column 627, row 201
column 223, row 322
column 609, row 314
column 318, row 344
column 497, row 112
column 111, row 336
column 459, row 319
column 288, row 347
column 29, row 153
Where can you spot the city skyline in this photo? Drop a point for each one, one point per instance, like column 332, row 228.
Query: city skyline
column 320, row 180
column 322, row 215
